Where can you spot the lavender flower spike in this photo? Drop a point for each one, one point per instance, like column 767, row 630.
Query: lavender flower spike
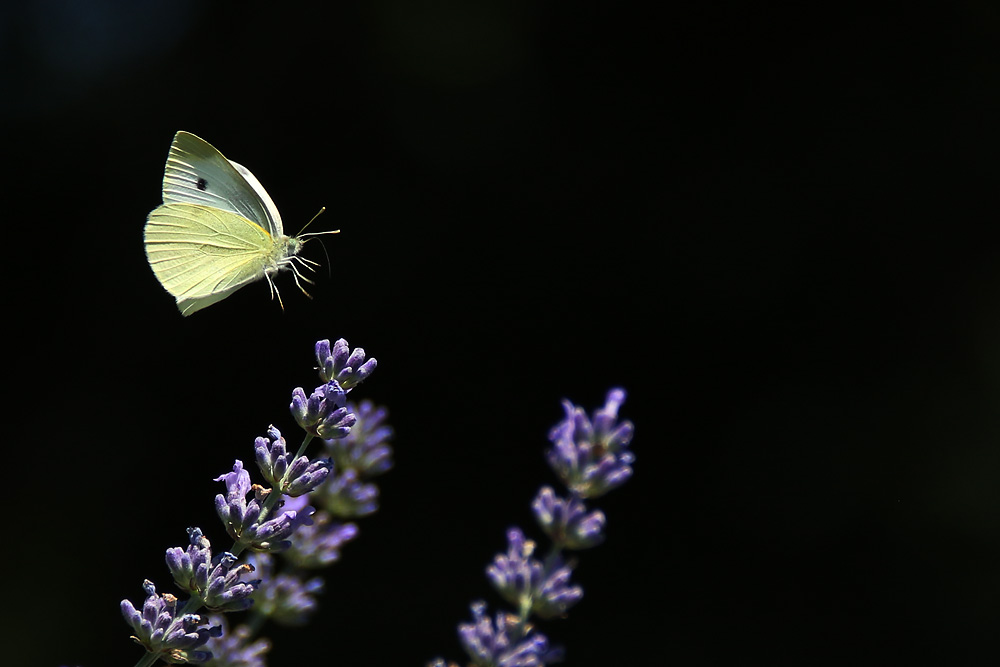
column 173, row 639
column 214, row 581
column 293, row 479
column 243, row 520
column 323, row 413
column 592, row 458
column 338, row 363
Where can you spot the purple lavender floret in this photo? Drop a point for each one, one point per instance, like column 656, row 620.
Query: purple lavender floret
column 366, row 448
column 236, row 647
column 529, row 584
column 505, row 643
column 243, row 520
column 284, row 598
column 296, row 478
column 341, row 364
column 215, row 581
column 323, row 413
column 174, row 639
column 591, row 457
column 566, row 521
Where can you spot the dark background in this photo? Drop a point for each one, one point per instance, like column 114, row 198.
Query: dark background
column 773, row 226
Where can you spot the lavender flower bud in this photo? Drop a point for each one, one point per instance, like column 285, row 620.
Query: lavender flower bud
column 158, row 628
column 504, row 643
column 591, row 458
column 566, row 522
column 243, row 520
column 224, row 590
column 293, row 479
column 214, row 581
column 304, row 476
column 338, row 363
column 528, row 584
column 323, row 413
column 189, row 567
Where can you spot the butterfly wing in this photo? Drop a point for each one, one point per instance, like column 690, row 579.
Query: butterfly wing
column 197, row 173
column 272, row 211
column 202, row 254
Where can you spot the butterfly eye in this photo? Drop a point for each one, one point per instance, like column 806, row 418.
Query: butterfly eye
column 202, row 184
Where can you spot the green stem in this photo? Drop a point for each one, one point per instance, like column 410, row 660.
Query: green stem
column 147, row 660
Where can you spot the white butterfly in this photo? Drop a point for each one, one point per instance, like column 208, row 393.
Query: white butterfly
column 217, row 229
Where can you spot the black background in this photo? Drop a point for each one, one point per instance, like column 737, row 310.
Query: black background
column 773, row 226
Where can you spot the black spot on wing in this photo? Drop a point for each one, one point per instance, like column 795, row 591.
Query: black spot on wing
column 202, row 184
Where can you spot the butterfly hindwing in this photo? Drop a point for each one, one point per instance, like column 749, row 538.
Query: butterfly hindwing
column 202, row 254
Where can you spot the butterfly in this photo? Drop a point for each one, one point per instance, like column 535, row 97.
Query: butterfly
column 217, row 230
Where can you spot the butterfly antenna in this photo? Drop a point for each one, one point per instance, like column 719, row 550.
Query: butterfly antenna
column 329, row 264
column 318, row 213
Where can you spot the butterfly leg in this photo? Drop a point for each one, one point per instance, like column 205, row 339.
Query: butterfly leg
column 296, row 275
column 274, row 290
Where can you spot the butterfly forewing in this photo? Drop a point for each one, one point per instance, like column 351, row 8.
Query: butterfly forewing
column 197, row 173
column 272, row 210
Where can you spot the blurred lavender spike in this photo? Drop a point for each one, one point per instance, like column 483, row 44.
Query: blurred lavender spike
column 591, row 457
